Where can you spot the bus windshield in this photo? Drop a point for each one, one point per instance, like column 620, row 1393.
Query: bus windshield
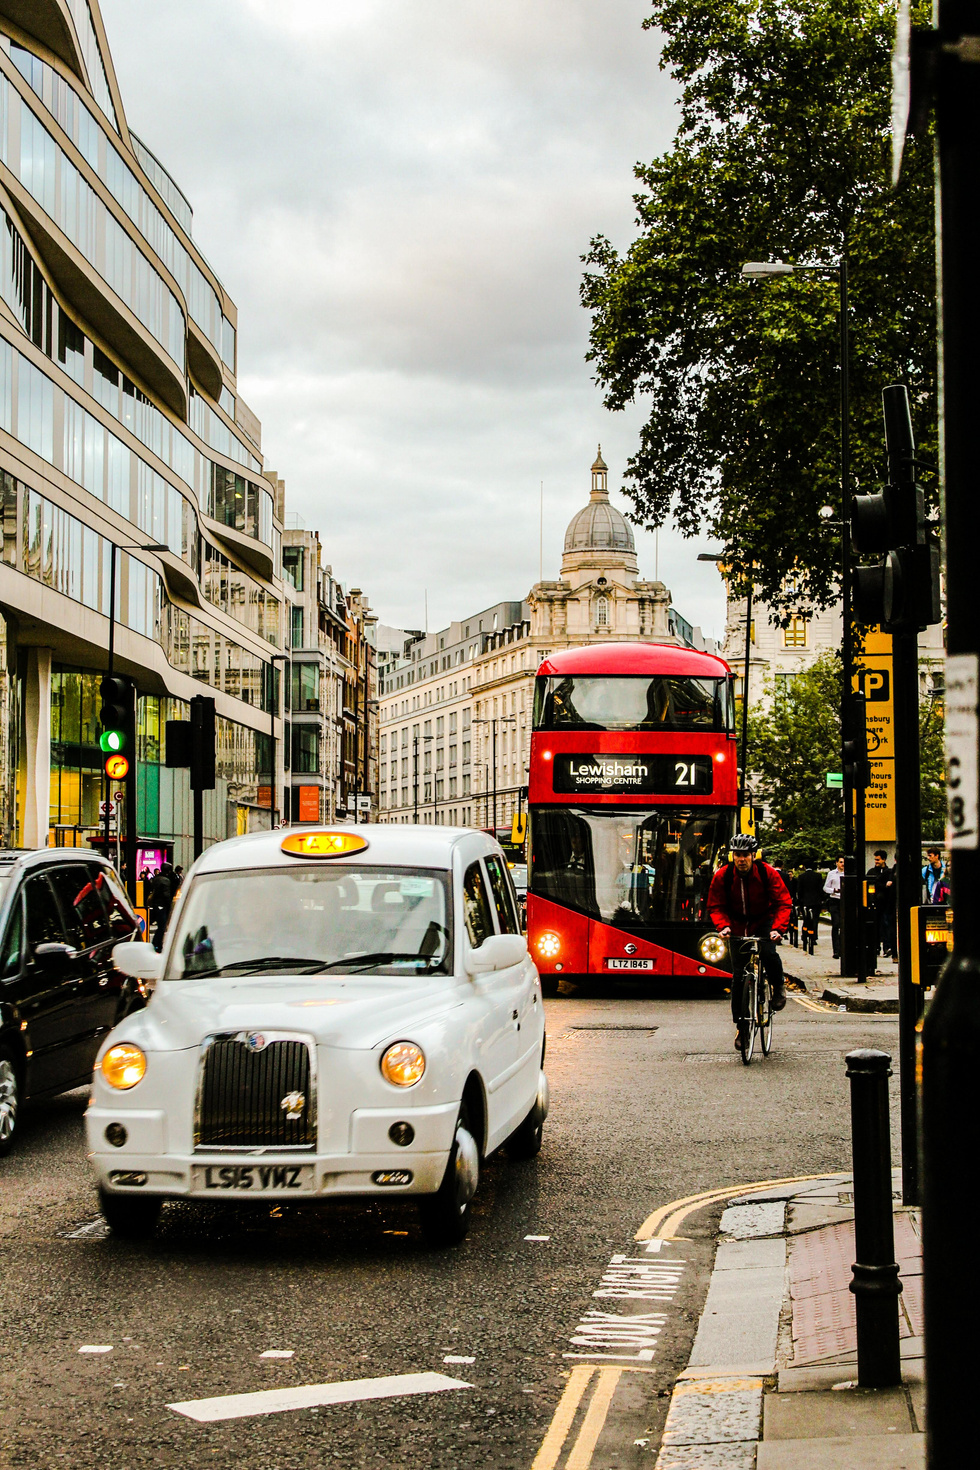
column 628, row 868
column 630, row 702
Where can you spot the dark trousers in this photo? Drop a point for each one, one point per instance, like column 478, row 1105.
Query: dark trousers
column 833, row 906
column 885, row 929
column 771, row 964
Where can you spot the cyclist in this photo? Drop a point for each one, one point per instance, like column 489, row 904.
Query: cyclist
column 748, row 897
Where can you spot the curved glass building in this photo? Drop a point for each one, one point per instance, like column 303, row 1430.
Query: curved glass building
column 120, row 423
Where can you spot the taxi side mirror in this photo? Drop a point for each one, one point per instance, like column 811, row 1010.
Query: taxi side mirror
column 138, row 959
column 499, row 952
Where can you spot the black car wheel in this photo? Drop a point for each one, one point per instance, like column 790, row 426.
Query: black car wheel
column 10, row 1100
column 446, row 1214
column 130, row 1217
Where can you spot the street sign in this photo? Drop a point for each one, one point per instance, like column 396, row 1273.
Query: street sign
column 363, row 803
column 875, row 679
column 108, row 810
column 835, row 780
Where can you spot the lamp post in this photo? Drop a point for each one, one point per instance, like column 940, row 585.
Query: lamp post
column 494, row 721
column 852, row 945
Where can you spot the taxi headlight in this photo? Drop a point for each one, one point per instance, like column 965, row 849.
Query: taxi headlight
column 403, row 1064
column 123, row 1065
column 713, row 948
column 549, row 945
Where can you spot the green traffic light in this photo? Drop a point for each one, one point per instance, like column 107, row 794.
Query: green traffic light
column 112, row 741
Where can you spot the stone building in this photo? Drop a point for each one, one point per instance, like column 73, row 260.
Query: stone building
column 456, row 706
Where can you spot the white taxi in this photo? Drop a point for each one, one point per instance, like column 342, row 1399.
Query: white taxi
column 335, row 1013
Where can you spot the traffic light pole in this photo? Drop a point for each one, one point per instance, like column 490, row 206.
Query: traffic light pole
column 951, row 1036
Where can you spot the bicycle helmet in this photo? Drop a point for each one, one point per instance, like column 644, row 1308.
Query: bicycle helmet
column 744, row 842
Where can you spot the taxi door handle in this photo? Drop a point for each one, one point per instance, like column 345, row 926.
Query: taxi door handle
column 513, row 1015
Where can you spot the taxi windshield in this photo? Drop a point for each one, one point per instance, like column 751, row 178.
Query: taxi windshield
column 314, row 920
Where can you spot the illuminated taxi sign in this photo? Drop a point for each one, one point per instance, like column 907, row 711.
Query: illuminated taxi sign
column 323, row 844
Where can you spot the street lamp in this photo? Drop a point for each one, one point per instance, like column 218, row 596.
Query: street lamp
column 495, row 720
column 852, row 947
column 110, row 669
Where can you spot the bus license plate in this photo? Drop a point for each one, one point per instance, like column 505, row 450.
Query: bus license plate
column 631, row 964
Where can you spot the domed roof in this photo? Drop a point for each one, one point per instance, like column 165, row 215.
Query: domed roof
column 599, row 526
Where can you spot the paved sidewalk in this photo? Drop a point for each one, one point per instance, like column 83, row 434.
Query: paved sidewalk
column 772, row 1381
column 820, row 974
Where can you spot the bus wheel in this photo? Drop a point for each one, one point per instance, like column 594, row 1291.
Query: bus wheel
column 550, row 984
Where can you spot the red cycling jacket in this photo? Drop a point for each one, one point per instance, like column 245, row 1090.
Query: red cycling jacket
column 755, row 903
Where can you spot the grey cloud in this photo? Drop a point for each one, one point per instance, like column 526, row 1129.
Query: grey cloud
column 397, row 196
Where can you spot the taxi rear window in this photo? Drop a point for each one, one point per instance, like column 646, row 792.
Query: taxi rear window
column 314, row 919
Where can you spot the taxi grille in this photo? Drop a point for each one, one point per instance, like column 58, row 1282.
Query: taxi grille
column 247, row 1095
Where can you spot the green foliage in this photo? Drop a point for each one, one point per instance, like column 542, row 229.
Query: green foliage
column 932, row 760
column 783, row 152
column 794, row 740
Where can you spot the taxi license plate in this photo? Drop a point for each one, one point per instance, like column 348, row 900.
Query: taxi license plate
column 631, row 964
column 253, row 1178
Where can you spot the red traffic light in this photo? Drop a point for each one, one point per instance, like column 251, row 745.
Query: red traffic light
column 116, row 767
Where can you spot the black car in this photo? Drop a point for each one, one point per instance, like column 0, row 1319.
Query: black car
column 61, row 913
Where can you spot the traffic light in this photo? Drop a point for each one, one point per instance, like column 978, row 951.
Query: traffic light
column 117, row 716
column 900, row 592
column 857, row 766
column 191, row 743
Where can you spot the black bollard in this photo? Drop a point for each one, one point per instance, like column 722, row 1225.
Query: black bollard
column 875, row 1282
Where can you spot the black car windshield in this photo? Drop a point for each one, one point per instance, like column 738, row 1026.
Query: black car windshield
column 631, row 702
column 308, row 920
column 628, row 868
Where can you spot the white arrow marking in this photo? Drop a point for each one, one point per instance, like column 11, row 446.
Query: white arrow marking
column 277, row 1400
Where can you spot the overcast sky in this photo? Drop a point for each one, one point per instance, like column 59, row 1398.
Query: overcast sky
column 397, row 195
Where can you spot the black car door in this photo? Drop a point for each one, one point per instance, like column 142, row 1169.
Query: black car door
column 87, row 927
column 46, row 991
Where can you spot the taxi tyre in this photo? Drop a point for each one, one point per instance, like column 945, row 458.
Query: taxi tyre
column 11, row 1099
column 445, row 1215
column 129, row 1217
column 525, row 1141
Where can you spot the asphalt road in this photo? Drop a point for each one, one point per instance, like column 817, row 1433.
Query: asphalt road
column 649, row 1103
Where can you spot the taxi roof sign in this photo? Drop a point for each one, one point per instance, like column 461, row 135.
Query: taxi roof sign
column 323, row 844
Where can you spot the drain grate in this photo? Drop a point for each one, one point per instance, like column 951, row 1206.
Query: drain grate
column 614, row 1026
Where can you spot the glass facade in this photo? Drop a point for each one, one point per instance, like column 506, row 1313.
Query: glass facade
column 94, row 65
column 58, row 550
column 239, row 595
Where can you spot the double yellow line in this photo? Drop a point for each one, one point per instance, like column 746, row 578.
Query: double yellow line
column 663, row 1224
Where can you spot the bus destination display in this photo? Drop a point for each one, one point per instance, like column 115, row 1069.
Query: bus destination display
column 632, row 774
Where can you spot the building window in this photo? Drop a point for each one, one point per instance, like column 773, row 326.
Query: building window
column 305, row 749
column 795, row 633
column 296, row 622
column 292, row 566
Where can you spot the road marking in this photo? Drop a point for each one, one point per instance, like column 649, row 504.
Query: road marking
column 278, row 1400
column 452, row 1359
column 278, row 1353
column 564, row 1416
column 96, row 1229
column 595, row 1418
column 664, row 1223
column 537, row 1237
column 92, row 1347
column 810, row 1005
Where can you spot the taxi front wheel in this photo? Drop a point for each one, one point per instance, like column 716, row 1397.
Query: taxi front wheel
column 445, row 1215
column 130, row 1218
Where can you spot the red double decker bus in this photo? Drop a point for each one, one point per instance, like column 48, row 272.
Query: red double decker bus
column 632, row 803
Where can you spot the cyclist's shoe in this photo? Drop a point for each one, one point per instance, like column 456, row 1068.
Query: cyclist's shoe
column 738, row 1040
column 779, row 1000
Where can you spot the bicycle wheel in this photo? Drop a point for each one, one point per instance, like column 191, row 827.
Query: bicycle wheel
column 764, row 1013
column 747, row 1025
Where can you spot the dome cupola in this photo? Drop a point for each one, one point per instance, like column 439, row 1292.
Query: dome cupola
column 599, row 526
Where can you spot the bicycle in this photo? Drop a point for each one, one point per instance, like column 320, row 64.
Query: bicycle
column 756, row 1009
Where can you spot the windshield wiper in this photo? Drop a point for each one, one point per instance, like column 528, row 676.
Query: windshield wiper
column 368, row 961
column 269, row 962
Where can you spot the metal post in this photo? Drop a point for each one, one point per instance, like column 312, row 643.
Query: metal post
column 743, row 773
column 852, row 937
column 110, row 669
column 415, row 778
column 874, row 1282
column 951, row 1034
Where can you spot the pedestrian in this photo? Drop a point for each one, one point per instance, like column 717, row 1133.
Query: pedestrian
column 881, row 890
column 831, row 890
column 933, row 872
column 162, row 892
column 794, row 923
column 748, row 897
column 810, row 896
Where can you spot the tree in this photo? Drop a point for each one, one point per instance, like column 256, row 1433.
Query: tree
column 794, row 740
column 783, row 152
column 932, row 764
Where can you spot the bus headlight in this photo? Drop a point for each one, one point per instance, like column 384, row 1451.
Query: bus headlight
column 549, row 946
column 713, row 948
